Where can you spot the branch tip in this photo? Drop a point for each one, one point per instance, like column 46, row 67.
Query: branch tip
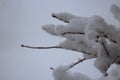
column 52, row 68
column 79, row 61
column 22, row 45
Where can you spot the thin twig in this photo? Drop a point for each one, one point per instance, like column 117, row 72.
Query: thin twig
column 110, row 39
column 72, row 65
column 79, row 61
column 53, row 15
column 116, row 59
column 107, row 52
column 58, row 47
column 81, row 33
column 41, row 47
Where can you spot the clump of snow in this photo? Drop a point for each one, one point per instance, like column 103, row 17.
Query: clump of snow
column 94, row 27
column 90, row 35
column 63, row 73
column 114, row 74
column 50, row 28
column 105, row 59
column 116, row 11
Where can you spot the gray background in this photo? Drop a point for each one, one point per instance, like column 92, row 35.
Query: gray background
column 20, row 23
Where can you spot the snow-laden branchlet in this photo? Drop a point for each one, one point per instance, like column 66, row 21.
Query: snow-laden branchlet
column 114, row 74
column 108, row 55
column 92, row 36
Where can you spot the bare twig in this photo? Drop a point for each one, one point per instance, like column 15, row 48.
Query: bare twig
column 58, row 47
column 110, row 39
column 74, row 64
column 81, row 33
column 116, row 59
column 79, row 61
column 107, row 52
column 53, row 15
column 41, row 47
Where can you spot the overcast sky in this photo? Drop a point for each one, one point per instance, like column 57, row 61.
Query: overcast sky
column 20, row 23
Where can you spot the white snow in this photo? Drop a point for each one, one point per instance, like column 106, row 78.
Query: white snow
column 116, row 11
column 63, row 73
column 91, row 35
column 50, row 28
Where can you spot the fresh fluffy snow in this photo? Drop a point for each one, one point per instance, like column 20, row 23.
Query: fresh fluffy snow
column 63, row 73
column 91, row 35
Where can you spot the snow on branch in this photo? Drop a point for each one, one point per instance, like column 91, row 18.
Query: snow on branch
column 92, row 36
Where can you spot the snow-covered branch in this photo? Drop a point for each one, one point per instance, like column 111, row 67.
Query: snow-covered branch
column 92, row 36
